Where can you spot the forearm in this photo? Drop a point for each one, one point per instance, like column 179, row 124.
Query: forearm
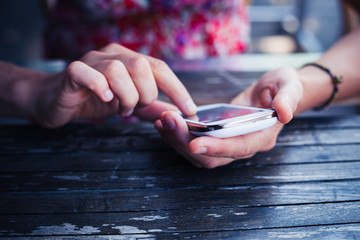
column 342, row 59
column 19, row 87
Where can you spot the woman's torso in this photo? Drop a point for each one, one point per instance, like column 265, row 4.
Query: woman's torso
column 169, row 29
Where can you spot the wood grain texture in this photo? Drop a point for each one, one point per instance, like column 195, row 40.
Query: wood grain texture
column 121, row 200
column 169, row 159
column 183, row 220
column 48, row 141
column 341, row 231
column 118, row 179
column 146, row 179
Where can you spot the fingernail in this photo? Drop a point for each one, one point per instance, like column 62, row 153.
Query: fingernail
column 109, row 95
column 168, row 123
column 200, row 150
column 191, row 107
column 127, row 113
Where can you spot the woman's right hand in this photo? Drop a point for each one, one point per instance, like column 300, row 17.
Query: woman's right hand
column 105, row 82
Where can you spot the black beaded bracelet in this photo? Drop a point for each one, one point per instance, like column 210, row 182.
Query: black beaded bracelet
column 335, row 79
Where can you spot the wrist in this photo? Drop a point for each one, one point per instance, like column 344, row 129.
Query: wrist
column 32, row 93
column 19, row 86
column 335, row 81
column 317, row 87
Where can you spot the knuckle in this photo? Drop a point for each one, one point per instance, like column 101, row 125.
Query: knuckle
column 159, row 65
column 138, row 63
column 73, row 68
column 90, row 55
column 244, row 150
column 114, row 66
column 111, row 47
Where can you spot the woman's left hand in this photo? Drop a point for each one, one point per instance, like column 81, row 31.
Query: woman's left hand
column 280, row 90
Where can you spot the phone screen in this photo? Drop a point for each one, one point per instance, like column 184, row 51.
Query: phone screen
column 221, row 113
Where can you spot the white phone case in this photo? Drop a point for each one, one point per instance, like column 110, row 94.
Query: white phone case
column 239, row 130
column 235, row 126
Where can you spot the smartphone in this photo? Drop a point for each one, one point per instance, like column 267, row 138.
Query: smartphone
column 227, row 120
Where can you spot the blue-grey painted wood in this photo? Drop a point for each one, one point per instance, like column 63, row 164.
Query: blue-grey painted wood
column 119, row 180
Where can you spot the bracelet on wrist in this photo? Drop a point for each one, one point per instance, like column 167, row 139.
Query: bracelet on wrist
column 335, row 80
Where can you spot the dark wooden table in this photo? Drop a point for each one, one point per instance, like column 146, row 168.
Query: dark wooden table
column 112, row 180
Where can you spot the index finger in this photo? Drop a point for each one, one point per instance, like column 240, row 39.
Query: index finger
column 170, row 84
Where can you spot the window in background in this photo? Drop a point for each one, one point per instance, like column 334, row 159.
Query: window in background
column 285, row 26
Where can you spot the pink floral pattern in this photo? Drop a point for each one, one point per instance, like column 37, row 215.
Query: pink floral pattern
column 168, row 29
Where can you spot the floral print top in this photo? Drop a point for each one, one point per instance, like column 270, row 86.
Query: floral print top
column 167, row 29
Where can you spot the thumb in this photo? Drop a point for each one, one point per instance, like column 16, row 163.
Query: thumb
column 281, row 104
column 286, row 102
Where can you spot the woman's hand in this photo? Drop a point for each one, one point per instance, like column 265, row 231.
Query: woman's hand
column 280, row 90
column 105, row 82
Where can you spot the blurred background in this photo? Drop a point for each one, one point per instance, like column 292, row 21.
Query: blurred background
column 277, row 26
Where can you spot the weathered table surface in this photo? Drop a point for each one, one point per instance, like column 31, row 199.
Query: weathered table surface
column 114, row 180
